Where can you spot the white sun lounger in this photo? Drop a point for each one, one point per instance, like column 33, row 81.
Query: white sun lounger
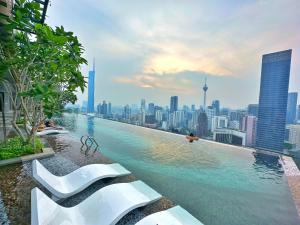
column 105, row 207
column 76, row 181
column 173, row 216
column 48, row 130
column 51, row 131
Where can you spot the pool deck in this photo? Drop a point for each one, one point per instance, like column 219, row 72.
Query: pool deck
column 293, row 177
column 17, row 182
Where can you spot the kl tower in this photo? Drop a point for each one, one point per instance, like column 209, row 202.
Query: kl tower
column 205, row 88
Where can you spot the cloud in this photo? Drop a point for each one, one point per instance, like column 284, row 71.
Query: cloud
column 170, row 83
column 148, row 46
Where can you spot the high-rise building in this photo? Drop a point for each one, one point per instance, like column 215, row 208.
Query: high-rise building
column 99, row 109
column 252, row 110
column 291, row 108
column 216, row 105
column 109, row 109
column 174, row 104
column 202, row 127
column 185, row 108
column 249, row 126
column 205, row 88
column 151, row 109
column 104, row 108
column 274, row 84
column 178, row 119
column 91, row 89
column 224, row 112
column 298, row 116
column 158, row 115
column 127, row 112
column 143, row 104
column 210, row 112
column 193, row 108
column 293, row 135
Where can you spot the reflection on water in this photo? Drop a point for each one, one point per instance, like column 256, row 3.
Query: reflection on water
column 269, row 161
column 219, row 184
column 90, row 126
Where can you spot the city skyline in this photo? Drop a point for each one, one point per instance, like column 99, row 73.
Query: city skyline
column 158, row 55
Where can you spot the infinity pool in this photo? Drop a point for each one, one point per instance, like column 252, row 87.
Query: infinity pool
column 218, row 184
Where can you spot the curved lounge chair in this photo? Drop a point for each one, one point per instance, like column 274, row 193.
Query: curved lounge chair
column 76, row 181
column 48, row 130
column 51, row 131
column 106, row 206
column 173, row 216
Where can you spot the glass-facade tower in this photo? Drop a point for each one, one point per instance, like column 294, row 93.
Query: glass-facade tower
column 91, row 90
column 291, row 108
column 174, row 104
column 274, row 84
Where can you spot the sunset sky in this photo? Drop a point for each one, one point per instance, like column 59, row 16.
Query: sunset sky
column 155, row 49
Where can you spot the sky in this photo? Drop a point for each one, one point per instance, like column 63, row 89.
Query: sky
column 156, row 49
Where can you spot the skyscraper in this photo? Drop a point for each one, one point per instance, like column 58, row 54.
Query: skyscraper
column 151, row 109
column 109, row 109
column 91, row 89
column 205, row 88
column 127, row 112
column 253, row 110
column 143, row 104
column 174, row 104
column 216, row 105
column 249, row 126
column 274, row 84
column 298, row 116
column 291, row 108
column 202, row 126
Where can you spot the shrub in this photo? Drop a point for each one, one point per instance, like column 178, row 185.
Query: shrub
column 15, row 147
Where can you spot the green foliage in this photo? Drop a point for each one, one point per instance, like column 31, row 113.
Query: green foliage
column 43, row 62
column 15, row 147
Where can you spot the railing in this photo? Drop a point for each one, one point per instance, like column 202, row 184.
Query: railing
column 88, row 142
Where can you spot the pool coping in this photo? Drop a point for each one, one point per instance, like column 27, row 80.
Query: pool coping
column 46, row 152
column 292, row 173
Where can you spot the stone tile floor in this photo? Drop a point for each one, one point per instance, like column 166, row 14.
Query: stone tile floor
column 16, row 182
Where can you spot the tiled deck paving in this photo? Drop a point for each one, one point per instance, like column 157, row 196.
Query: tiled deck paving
column 16, row 183
column 293, row 176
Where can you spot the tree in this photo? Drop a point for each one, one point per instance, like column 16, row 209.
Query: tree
column 44, row 64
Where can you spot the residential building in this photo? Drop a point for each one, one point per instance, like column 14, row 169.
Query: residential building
column 143, row 105
column 224, row 112
column 293, row 135
column 202, row 126
column 151, row 109
column 216, row 105
column 109, row 109
column 291, row 108
column 174, row 104
column 275, row 74
column 193, row 108
column 127, row 113
column 158, row 116
column 234, row 124
column 253, row 110
column 149, row 120
column 210, row 112
column 249, row 126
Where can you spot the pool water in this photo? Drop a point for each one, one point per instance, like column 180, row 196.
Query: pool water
column 217, row 183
